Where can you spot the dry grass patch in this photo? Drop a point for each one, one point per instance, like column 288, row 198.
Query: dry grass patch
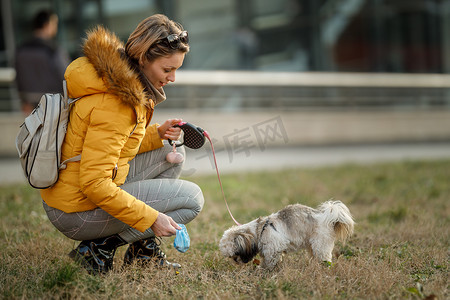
column 400, row 248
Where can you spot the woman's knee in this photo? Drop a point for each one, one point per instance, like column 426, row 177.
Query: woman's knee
column 196, row 197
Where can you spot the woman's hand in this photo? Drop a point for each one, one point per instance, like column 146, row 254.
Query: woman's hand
column 164, row 226
column 167, row 131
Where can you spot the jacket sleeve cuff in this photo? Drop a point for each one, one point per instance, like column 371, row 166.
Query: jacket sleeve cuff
column 146, row 223
column 151, row 139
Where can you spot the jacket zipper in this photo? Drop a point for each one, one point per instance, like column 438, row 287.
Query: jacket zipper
column 114, row 173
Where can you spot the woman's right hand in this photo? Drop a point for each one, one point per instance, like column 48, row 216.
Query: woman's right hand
column 167, row 131
column 164, row 226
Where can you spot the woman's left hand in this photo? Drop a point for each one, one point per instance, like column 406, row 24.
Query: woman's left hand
column 167, row 131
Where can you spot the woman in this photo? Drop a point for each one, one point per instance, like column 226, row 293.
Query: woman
column 122, row 191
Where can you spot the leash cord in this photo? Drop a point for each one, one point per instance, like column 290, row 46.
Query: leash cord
column 205, row 133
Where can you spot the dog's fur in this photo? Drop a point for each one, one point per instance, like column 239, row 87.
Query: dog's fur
column 295, row 226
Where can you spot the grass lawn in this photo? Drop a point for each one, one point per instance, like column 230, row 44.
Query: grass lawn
column 400, row 248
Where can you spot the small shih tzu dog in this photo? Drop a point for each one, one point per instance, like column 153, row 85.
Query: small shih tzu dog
column 292, row 228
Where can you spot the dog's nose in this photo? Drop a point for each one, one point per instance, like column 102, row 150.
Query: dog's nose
column 245, row 259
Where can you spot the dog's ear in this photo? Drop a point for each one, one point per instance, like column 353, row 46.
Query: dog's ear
column 246, row 246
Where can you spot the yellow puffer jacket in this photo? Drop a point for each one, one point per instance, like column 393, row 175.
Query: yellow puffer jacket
column 108, row 127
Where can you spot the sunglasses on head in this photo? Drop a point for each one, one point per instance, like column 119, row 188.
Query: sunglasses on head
column 174, row 40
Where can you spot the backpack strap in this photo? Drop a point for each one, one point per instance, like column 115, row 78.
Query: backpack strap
column 66, row 94
column 63, row 165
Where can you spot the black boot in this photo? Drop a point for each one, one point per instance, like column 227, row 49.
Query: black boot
column 97, row 255
column 147, row 251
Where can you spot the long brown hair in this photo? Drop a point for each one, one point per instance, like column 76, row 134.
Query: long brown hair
column 143, row 44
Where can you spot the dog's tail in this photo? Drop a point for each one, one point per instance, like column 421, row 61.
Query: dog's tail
column 336, row 215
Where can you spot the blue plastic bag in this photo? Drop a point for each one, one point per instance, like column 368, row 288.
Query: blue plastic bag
column 182, row 240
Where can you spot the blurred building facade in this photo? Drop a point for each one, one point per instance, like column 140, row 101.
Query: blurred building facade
column 395, row 36
column 288, row 35
column 334, row 71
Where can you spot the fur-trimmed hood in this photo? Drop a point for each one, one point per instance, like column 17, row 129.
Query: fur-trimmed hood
column 105, row 68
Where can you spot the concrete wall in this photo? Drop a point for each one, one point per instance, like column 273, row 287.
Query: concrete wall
column 9, row 126
column 299, row 127
column 321, row 127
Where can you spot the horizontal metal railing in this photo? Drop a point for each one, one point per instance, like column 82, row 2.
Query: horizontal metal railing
column 256, row 78
column 313, row 79
column 8, row 95
column 235, row 90
column 7, row 75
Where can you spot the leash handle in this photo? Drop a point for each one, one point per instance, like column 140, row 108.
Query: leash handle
column 205, row 133
column 193, row 136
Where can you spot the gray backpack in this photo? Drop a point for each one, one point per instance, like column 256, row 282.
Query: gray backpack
column 40, row 139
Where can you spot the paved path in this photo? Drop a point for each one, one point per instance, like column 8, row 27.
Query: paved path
column 199, row 162
column 308, row 157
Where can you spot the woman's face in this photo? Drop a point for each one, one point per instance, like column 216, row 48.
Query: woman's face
column 161, row 71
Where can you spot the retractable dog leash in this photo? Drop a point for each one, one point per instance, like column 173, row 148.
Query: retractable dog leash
column 194, row 138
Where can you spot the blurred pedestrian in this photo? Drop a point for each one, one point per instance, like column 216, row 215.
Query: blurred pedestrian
column 40, row 63
column 122, row 190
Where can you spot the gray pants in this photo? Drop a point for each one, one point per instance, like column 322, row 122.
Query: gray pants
column 151, row 179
